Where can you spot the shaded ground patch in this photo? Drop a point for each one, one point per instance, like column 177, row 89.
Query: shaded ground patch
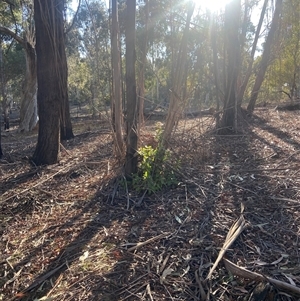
column 72, row 232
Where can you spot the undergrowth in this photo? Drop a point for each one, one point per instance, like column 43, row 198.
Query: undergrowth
column 156, row 168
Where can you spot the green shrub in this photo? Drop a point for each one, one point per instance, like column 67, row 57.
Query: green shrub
column 155, row 170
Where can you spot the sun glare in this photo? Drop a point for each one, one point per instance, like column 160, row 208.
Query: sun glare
column 212, row 5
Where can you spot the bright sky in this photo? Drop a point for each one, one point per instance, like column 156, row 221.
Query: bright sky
column 213, row 5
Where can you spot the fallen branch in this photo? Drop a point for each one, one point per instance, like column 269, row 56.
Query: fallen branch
column 244, row 273
column 293, row 106
column 43, row 278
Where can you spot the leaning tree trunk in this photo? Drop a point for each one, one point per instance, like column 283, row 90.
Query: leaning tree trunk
column 232, row 46
column 131, row 122
column 28, row 111
column 243, row 87
column 52, row 87
column 266, row 56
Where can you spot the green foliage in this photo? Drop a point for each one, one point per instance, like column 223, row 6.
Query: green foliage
column 156, row 169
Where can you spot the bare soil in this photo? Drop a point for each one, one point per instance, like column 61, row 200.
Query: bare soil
column 73, row 230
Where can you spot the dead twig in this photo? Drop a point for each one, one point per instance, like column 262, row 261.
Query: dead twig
column 141, row 244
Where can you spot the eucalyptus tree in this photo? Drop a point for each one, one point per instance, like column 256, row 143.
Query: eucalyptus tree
column 178, row 81
column 233, row 56
column 2, row 83
column 116, row 80
column 131, row 96
column 250, row 58
column 266, row 56
column 52, row 77
column 142, row 51
column 90, row 34
column 21, row 16
column 283, row 76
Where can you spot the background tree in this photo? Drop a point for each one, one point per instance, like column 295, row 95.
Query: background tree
column 2, row 92
column 176, row 93
column 22, row 13
column 249, row 68
column 88, row 43
column 266, row 56
column 282, row 77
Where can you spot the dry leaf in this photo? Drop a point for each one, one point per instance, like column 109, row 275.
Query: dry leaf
column 84, row 256
column 166, row 272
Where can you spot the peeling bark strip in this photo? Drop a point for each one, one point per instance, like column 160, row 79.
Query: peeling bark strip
column 242, row 272
column 234, row 232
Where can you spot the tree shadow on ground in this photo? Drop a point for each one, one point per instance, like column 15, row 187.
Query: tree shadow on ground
column 182, row 229
column 248, row 178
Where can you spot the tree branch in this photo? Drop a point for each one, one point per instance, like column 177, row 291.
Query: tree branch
column 74, row 19
column 8, row 32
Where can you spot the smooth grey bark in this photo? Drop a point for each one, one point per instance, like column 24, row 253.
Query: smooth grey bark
column 116, row 78
column 142, row 68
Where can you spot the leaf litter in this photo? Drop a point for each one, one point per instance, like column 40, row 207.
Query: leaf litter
column 228, row 231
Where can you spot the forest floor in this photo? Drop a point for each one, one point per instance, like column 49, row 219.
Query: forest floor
column 72, row 231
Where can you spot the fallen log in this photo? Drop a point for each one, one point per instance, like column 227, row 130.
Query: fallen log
column 291, row 106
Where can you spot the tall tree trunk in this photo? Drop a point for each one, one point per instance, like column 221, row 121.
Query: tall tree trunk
column 232, row 46
column 141, row 81
column 66, row 130
column 131, row 122
column 243, row 87
column 116, row 76
column 28, row 111
column 176, row 106
column 215, row 67
column 52, row 86
column 266, row 56
column 2, row 92
column 5, row 104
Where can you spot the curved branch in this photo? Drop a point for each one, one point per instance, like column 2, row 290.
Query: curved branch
column 74, row 19
column 8, row 32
